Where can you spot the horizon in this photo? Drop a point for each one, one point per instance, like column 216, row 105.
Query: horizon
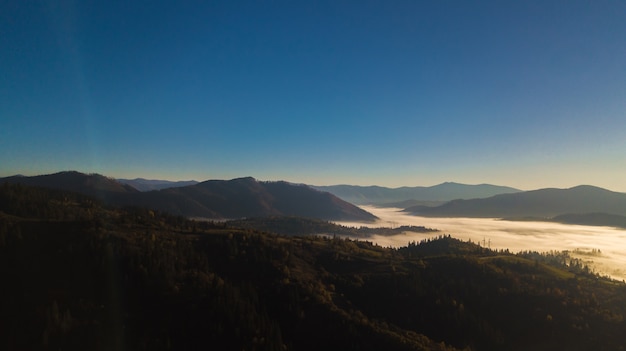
column 528, row 95
column 309, row 184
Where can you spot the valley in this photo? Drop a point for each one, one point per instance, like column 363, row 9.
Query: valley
column 306, row 176
column 580, row 240
column 79, row 274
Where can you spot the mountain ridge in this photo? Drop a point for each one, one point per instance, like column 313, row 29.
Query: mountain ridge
column 143, row 184
column 211, row 199
column 447, row 191
column 547, row 202
column 93, row 184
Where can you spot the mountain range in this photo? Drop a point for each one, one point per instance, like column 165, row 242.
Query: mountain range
column 542, row 203
column 247, row 197
column 404, row 196
column 142, row 184
column 78, row 275
column 213, row 199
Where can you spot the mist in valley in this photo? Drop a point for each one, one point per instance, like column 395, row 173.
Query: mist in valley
column 602, row 248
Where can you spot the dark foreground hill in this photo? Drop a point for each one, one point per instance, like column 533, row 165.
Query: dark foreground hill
column 81, row 276
column 215, row 199
column 382, row 196
column 546, row 203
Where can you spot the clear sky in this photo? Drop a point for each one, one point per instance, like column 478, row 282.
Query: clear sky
column 529, row 94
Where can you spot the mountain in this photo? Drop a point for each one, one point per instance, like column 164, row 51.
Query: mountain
column 214, row 199
column 142, row 184
column 598, row 219
column 377, row 195
column 89, row 184
column 545, row 203
column 247, row 197
column 77, row 275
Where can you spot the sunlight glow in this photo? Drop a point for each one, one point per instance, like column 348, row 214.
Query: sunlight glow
column 609, row 257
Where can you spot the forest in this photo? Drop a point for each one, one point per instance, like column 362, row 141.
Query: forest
column 81, row 275
column 291, row 225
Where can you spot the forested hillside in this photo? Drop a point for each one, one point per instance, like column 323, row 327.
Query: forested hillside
column 78, row 275
column 544, row 203
column 216, row 199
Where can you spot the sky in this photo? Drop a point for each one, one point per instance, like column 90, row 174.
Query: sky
column 529, row 94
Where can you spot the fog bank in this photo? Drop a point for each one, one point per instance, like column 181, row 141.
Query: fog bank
column 512, row 235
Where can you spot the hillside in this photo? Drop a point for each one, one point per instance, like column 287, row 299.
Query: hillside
column 89, row 184
column 216, row 199
column 306, row 226
column 247, row 197
column 78, row 275
column 546, row 203
column 382, row 196
column 597, row 219
column 142, row 184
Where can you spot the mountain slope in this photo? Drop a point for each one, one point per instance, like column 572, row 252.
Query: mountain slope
column 89, row 184
column 247, row 197
column 217, row 199
column 377, row 195
column 80, row 276
column 142, row 184
column 597, row 219
column 537, row 203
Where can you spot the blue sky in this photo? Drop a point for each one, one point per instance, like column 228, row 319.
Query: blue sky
column 528, row 94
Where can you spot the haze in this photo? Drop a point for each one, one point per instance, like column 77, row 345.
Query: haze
column 515, row 236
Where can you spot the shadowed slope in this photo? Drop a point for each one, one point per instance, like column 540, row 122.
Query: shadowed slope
column 142, row 184
column 537, row 203
column 90, row 184
column 247, row 197
column 217, row 199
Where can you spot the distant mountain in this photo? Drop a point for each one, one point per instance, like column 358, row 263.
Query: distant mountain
column 546, row 203
column 142, row 184
column 215, row 199
column 90, row 184
column 410, row 203
column 598, row 219
column 377, row 195
column 247, row 197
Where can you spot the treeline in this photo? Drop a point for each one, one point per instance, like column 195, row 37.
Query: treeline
column 136, row 279
column 289, row 225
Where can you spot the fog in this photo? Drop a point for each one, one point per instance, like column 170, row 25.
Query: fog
column 516, row 236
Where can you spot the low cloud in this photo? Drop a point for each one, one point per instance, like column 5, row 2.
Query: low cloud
column 515, row 236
